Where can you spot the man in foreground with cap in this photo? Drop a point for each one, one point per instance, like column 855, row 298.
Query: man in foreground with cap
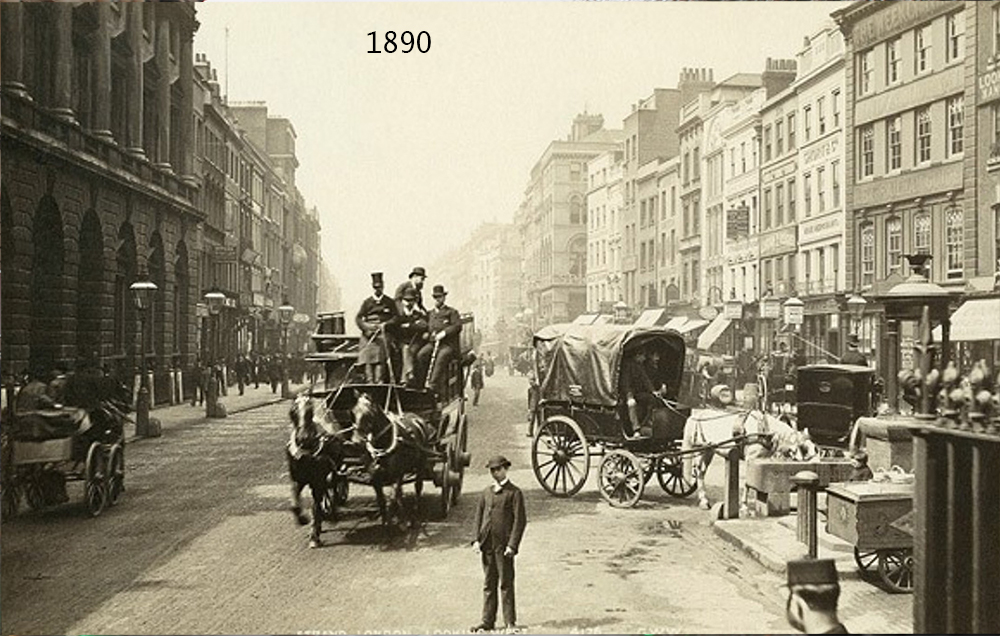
column 853, row 355
column 500, row 522
column 377, row 314
column 444, row 325
column 813, row 592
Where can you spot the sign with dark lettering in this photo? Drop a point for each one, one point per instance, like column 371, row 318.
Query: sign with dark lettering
column 989, row 86
column 737, row 222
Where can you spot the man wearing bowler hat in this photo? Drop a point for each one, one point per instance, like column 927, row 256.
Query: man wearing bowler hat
column 415, row 283
column 853, row 355
column 500, row 522
column 444, row 324
column 377, row 314
column 813, row 592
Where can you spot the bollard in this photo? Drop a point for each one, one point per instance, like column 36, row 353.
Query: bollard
column 807, row 483
column 731, row 509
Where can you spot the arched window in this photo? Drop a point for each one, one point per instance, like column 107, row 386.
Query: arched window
column 867, row 254
column 578, row 256
column 47, row 285
column 922, row 233
column 954, row 242
column 90, row 298
column 893, row 244
column 181, row 301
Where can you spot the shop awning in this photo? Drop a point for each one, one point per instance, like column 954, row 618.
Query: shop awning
column 649, row 318
column 977, row 319
column 585, row 319
column 712, row 332
column 692, row 324
column 676, row 323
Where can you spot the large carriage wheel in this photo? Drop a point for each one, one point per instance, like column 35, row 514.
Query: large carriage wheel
column 866, row 560
column 116, row 474
column 95, row 493
column 895, row 568
column 670, row 474
column 458, row 458
column 560, row 456
column 444, row 499
column 621, row 478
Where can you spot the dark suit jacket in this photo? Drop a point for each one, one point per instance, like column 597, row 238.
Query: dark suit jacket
column 374, row 313
column 448, row 320
column 408, row 284
column 500, row 517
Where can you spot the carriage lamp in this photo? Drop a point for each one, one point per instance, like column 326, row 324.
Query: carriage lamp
column 143, row 292
column 285, row 314
column 856, row 308
column 215, row 300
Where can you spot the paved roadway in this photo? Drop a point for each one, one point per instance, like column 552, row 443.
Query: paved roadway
column 203, row 543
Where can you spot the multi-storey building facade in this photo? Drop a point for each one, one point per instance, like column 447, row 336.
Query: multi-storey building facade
column 98, row 185
column 986, row 29
column 667, row 263
column 821, row 258
column 603, row 238
column 496, row 282
column 552, row 222
column 909, row 160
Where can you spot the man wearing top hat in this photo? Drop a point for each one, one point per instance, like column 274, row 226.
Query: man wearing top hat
column 377, row 314
column 499, row 523
column 444, row 325
column 415, row 283
column 813, row 592
column 853, row 355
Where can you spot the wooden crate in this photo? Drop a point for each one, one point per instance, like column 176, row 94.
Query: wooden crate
column 861, row 513
column 770, row 481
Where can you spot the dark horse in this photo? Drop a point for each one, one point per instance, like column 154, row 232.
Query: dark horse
column 313, row 460
column 396, row 445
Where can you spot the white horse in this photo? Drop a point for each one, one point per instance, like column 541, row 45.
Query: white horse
column 708, row 428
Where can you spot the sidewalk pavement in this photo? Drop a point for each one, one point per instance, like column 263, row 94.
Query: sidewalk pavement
column 179, row 415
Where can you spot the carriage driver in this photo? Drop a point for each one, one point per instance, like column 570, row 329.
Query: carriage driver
column 641, row 395
column 445, row 324
column 377, row 314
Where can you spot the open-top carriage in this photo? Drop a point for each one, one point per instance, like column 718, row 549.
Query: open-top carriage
column 444, row 446
column 581, row 412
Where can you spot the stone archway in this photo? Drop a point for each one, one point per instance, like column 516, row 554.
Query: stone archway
column 182, row 304
column 48, row 261
column 124, row 336
column 89, row 297
column 156, row 324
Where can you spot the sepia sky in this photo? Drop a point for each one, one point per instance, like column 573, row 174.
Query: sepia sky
column 405, row 154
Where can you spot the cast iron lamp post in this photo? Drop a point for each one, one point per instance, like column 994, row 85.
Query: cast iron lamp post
column 142, row 293
column 856, row 308
column 215, row 300
column 285, row 313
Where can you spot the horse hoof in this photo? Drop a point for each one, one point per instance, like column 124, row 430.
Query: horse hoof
column 703, row 504
column 315, row 543
column 302, row 519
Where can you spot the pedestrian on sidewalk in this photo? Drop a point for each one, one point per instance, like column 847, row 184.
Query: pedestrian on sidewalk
column 813, row 592
column 500, row 522
column 476, row 381
column 198, row 382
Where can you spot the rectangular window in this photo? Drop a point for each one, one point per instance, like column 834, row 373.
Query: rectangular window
column 767, row 143
column 821, row 115
column 956, row 36
column 922, row 233
column 779, row 204
column 867, row 151
column 806, row 116
column 732, row 162
column 894, row 148
column 954, row 242
column 767, row 208
column 807, row 194
column 695, row 165
column 836, row 108
column 791, row 200
column 867, row 255
column 820, row 194
column 779, row 138
column 956, row 111
column 835, row 182
column 696, row 215
column 743, row 157
column 791, row 131
column 924, row 134
column 922, row 50
column 866, row 68
column 893, row 244
column 892, row 61
column 996, row 122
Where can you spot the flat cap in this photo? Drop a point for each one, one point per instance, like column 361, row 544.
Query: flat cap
column 497, row 461
column 812, row 572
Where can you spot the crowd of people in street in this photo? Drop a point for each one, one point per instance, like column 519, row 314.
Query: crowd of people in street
column 245, row 370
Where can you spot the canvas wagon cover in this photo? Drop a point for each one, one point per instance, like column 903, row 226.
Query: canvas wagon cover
column 581, row 363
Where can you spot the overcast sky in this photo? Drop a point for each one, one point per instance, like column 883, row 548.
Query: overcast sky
column 405, row 154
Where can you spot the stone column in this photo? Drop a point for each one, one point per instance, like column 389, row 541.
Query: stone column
column 102, row 74
column 187, row 106
column 134, row 84
column 12, row 61
column 62, row 94
column 162, row 151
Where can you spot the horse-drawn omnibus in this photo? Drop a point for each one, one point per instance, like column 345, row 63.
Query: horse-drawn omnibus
column 385, row 433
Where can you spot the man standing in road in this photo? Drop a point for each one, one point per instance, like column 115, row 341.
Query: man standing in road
column 813, row 592
column 500, row 521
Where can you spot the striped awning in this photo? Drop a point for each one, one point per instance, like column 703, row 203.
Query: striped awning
column 712, row 332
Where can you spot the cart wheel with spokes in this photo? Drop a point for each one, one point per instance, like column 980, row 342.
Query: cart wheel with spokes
column 895, row 568
column 457, row 457
column 95, row 493
column 444, row 499
column 560, row 456
column 670, row 474
column 867, row 560
column 116, row 474
column 621, row 478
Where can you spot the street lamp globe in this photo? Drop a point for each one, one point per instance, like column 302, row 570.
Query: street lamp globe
column 142, row 293
column 856, row 306
column 621, row 311
column 285, row 313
